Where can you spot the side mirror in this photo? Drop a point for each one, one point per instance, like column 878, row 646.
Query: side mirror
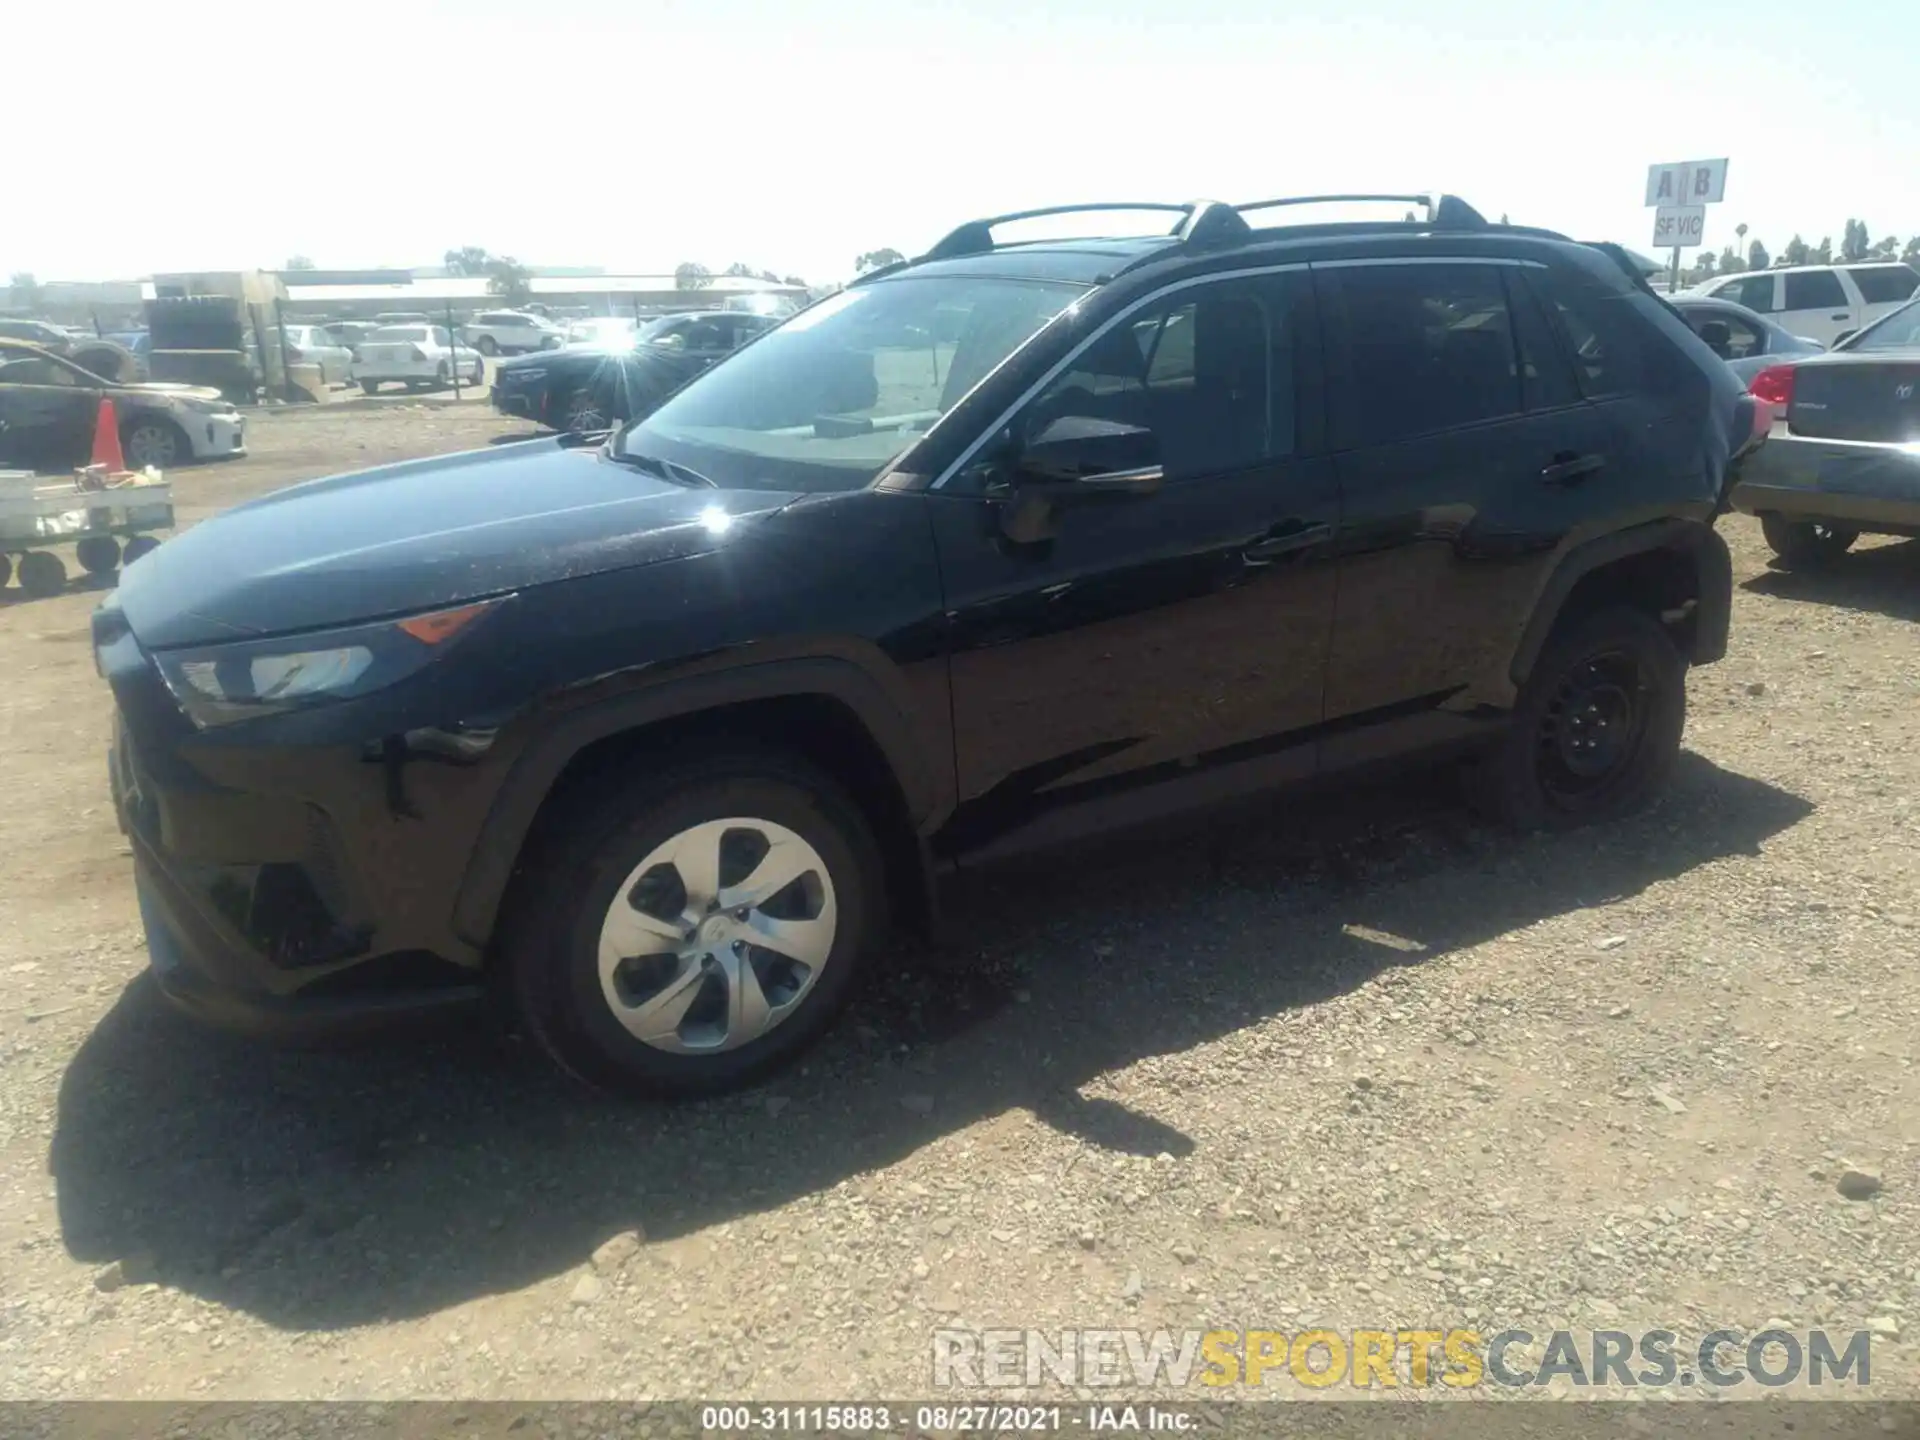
column 1080, row 456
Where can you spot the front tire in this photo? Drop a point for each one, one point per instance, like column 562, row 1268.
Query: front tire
column 369, row 387
column 159, row 443
column 584, row 413
column 1807, row 544
column 690, row 928
column 1597, row 728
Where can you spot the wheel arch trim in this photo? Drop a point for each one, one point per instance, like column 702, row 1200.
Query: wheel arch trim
column 538, row 768
column 1696, row 540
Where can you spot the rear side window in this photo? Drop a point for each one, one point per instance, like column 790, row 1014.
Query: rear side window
column 1754, row 291
column 1815, row 290
column 1605, row 337
column 1430, row 348
column 1882, row 283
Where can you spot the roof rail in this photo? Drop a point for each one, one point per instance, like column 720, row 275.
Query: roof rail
column 976, row 236
column 1444, row 212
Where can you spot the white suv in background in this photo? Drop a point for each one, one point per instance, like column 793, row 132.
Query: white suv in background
column 1821, row 302
column 507, row 332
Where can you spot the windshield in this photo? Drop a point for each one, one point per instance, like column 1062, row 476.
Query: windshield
column 830, row 398
column 1898, row 331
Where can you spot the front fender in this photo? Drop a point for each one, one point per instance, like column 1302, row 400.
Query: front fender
column 881, row 703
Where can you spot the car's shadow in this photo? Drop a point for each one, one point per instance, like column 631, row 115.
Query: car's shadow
column 332, row 1189
column 1884, row 580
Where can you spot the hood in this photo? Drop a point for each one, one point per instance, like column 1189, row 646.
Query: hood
column 420, row 535
column 169, row 388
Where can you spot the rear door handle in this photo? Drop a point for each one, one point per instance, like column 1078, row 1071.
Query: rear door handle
column 1570, row 469
column 1286, row 538
column 1843, row 315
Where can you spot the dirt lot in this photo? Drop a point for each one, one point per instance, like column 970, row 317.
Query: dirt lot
column 1366, row 1065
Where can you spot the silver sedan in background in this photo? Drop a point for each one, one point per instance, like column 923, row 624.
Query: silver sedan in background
column 1747, row 340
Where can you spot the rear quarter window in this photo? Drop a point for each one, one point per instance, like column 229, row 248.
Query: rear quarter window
column 1880, row 284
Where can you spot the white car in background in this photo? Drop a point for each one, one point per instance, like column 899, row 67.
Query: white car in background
column 604, row 333
column 509, row 332
column 315, row 345
column 1821, row 302
column 417, row 356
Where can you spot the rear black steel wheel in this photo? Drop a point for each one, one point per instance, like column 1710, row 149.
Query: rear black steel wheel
column 1597, row 728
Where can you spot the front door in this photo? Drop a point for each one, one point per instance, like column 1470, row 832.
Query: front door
column 1179, row 636
column 46, row 415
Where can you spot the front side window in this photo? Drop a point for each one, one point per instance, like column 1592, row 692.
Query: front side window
column 41, row 370
column 1208, row 370
column 830, row 398
column 1879, row 284
column 1430, row 346
column 1814, row 290
column 1726, row 334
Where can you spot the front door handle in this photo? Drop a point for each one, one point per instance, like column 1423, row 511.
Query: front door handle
column 1286, row 538
column 1570, row 469
column 1843, row 315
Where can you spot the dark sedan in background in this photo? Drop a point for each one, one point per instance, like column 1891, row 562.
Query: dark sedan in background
column 588, row 387
column 1844, row 456
column 1745, row 339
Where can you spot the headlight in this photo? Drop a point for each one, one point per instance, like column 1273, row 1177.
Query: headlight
column 224, row 683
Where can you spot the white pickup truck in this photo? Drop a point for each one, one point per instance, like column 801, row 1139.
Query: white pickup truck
column 510, row 332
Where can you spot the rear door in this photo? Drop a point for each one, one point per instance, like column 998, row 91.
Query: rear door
column 1815, row 303
column 1465, row 454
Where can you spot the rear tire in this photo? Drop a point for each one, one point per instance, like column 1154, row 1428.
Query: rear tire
column 594, row 866
column 1807, row 544
column 369, row 387
column 1596, row 731
column 137, row 546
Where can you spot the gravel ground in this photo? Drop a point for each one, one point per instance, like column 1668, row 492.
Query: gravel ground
column 1364, row 1064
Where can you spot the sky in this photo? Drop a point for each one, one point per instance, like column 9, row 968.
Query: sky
column 636, row 134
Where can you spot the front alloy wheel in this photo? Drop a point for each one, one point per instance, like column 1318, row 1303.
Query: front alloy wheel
column 153, row 442
column 683, row 927
column 584, row 414
column 717, row 936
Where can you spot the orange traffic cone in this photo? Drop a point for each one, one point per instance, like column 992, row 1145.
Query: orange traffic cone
column 106, row 438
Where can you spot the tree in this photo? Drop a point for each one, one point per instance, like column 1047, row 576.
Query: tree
column 299, row 262
column 1885, row 248
column 1757, row 256
column 1823, row 252
column 874, row 259
column 1731, row 263
column 25, row 290
column 738, row 271
column 510, row 280
column 1703, row 267
column 467, row 260
column 1796, row 252
column 1740, row 232
column 692, row 275
column 1853, row 241
column 1912, row 253
column 796, row 280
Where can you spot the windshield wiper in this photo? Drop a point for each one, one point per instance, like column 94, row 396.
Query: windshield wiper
column 666, row 469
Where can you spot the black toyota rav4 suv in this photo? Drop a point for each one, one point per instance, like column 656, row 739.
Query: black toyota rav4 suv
column 656, row 736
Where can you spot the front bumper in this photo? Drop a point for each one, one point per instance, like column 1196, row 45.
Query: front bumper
column 298, row 892
column 1872, row 487
column 216, row 436
column 523, row 404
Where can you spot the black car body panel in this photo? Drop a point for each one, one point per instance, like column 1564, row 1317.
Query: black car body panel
column 1337, row 568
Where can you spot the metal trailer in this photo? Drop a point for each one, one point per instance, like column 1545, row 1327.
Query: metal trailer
column 39, row 516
